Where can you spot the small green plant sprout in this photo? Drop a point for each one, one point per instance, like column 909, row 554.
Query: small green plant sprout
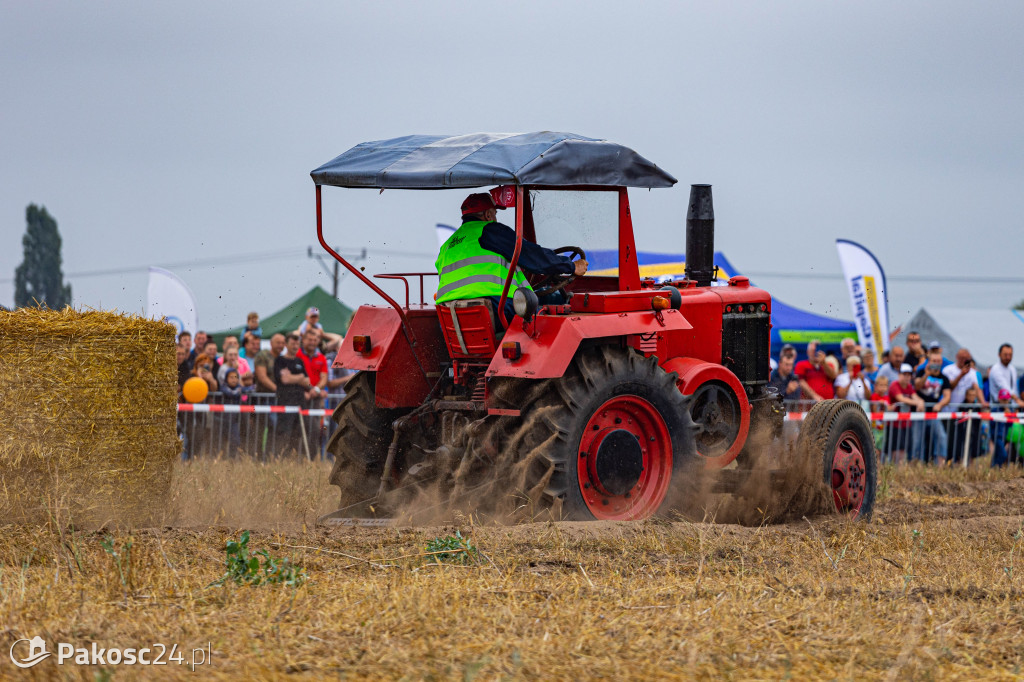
column 122, row 557
column 258, row 568
column 916, row 544
column 452, row 549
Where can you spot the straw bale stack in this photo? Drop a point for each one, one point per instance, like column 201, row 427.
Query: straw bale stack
column 87, row 416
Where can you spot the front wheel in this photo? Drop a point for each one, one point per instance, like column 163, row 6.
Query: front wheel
column 837, row 434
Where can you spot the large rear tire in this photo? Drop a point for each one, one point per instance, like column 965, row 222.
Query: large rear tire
column 360, row 443
column 837, row 435
column 609, row 440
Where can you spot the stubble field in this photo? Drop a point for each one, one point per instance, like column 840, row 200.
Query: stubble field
column 931, row 588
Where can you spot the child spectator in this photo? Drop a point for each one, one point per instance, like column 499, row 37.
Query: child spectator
column 232, row 361
column 903, row 394
column 880, row 403
column 232, row 390
column 1014, row 443
column 252, row 325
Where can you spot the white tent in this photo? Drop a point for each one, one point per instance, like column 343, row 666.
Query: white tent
column 981, row 331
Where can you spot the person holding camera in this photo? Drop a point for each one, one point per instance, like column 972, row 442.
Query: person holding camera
column 934, row 389
column 815, row 375
column 962, row 378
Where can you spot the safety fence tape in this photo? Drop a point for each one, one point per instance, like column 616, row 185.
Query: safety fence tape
column 258, row 409
column 1002, row 417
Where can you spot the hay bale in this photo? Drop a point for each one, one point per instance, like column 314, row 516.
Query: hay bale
column 87, row 416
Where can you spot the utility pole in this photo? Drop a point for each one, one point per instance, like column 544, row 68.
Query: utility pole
column 335, row 271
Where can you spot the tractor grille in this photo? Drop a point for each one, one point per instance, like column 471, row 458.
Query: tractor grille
column 745, row 346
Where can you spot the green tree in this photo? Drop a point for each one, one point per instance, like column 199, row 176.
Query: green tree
column 1020, row 305
column 39, row 277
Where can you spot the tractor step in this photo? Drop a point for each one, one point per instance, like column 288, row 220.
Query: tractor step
column 347, row 521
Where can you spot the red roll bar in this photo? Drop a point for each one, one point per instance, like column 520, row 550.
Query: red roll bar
column 355, row 271
column 515, row 256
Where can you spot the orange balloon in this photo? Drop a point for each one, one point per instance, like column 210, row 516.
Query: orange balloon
column 195, row 390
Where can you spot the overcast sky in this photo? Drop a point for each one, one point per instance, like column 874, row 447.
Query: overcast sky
column 165, row 133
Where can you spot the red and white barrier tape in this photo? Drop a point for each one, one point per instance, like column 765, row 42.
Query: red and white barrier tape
column 258, row 409
column 1005, row 417
column 1002, row 417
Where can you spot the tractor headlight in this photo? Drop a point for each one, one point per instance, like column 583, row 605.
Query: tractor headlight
column 525, row 303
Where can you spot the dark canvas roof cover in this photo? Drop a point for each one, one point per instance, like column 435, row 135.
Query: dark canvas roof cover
column 479, row 159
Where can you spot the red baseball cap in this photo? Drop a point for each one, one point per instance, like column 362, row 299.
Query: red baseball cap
column 478, row 203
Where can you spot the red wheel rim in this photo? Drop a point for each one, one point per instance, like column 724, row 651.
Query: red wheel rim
column 849, row 474
column 632, row 481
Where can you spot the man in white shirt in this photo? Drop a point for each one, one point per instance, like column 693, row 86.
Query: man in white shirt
column 1002, row 377
column 961, row 377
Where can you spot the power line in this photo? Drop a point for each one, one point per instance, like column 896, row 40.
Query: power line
column 304, row 253
column 227, row 260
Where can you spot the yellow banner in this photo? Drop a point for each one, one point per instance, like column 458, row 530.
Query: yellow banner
column 872, row 299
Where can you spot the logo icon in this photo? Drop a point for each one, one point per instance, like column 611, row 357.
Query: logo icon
column 36, row 652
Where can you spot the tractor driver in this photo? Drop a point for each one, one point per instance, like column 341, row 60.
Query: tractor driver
column 474, row 262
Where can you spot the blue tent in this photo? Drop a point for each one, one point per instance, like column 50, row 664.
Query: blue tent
column 789, row 324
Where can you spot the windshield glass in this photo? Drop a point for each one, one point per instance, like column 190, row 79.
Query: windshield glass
column 589, row 220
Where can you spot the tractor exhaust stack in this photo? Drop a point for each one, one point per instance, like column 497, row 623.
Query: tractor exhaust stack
column 700, row 236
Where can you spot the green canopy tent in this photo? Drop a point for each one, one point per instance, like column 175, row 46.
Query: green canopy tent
column 334, row 316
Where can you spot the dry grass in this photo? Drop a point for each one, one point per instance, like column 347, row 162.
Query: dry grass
column 930, row 589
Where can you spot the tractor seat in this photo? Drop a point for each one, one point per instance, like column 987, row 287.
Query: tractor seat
column 468, row 327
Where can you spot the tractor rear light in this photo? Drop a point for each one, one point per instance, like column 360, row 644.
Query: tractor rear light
column 361, row 344
column 728, row 308
column 660, row 303
column 510, row 350
column 763, row 307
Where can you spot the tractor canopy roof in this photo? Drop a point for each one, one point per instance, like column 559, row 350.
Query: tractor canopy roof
column 482, row 159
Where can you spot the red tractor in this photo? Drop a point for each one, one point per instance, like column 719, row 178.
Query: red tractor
column 608, row 406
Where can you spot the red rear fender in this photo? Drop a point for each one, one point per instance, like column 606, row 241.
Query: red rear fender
column 400, row 370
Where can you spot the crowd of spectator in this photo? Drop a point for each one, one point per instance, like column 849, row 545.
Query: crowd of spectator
column 915, row 379
column 294, row 369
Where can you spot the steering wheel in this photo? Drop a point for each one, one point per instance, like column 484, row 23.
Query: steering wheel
column 549, row 284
